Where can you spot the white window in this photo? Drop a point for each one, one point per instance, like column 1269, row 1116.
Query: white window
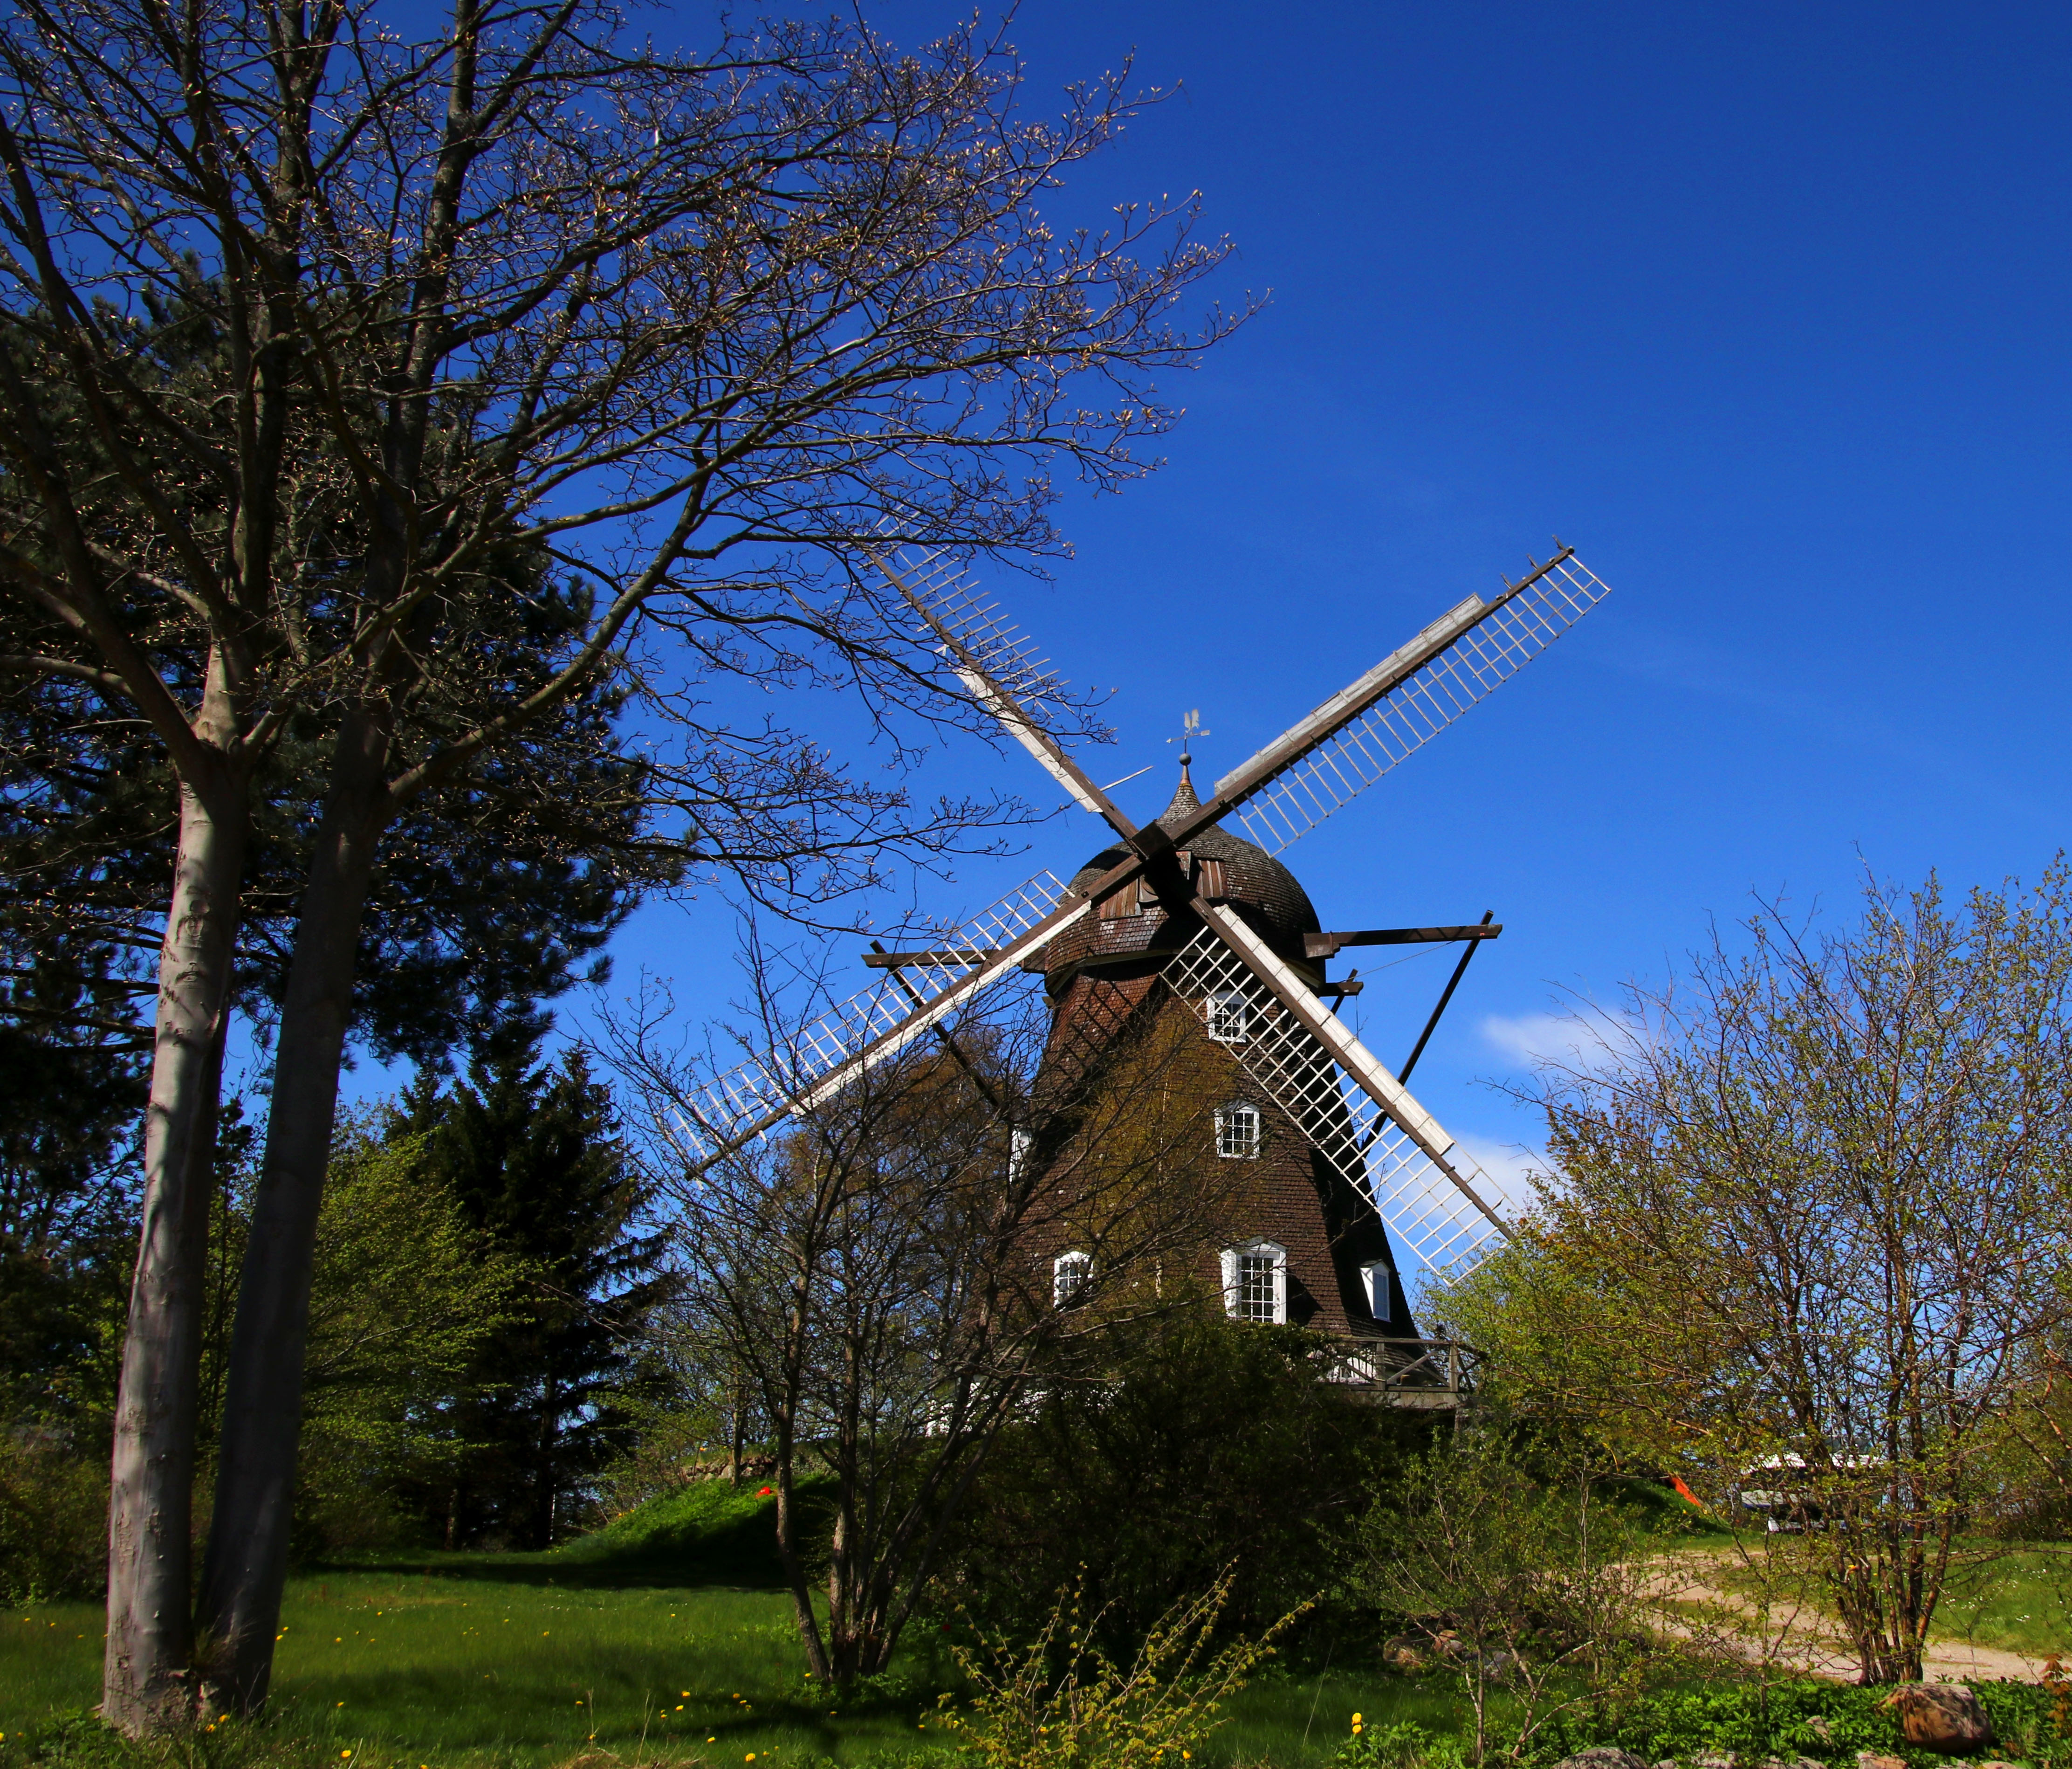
column 1255, row 1282
column 1375, row 1278
column 1237, row 1131
column 1069, row 1275
column 1230, row 1016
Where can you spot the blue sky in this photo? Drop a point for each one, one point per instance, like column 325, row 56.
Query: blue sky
column 1762, row 307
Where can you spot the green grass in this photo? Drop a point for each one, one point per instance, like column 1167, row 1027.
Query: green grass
column 660, row 1638
column 2022, row 1602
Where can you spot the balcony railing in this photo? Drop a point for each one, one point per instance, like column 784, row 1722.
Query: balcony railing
column 1436, row 1374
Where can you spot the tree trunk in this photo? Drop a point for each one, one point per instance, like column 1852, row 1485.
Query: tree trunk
column 148, row 1683
column 248, row 1546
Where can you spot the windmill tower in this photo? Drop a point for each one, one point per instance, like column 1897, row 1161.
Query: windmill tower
column 1183, row 912
column 1301, row 1244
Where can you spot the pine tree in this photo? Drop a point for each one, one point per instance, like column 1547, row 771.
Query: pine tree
column 530, row 1153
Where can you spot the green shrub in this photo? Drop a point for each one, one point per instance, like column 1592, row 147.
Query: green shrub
column 1801, row 1717
column 1058, row 1702
column 1195, row 1446
column 53, row 1519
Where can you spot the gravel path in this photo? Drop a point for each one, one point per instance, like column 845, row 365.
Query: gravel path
column 1698, row 1608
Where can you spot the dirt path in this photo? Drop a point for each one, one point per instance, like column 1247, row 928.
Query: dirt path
column 1696, row 1605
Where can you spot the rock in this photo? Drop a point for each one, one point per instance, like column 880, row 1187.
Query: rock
column 1994, row 1762
column 1404, row 1652
column 1601, row 1756
column 1497, row 1666
column 1818, row 1727
column 1945, row 1717
column 1871, row 1759
column 1667, row 1763
column 1716, row 1760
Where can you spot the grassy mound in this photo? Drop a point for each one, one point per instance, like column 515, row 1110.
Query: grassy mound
column 711, row 1533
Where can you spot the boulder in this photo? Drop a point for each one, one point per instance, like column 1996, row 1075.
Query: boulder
column 1601, row 1756
column 1944, row 1717
column 1404, row 1652
column 1715, row 1759
column 1872, row 1759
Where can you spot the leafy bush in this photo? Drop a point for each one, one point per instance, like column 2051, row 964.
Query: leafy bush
column 1193, row 1445
column 53, row 1519
column 1828, row 1722
column 1058, row 1702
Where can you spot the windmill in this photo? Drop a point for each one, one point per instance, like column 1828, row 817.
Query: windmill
column 1294, row 1049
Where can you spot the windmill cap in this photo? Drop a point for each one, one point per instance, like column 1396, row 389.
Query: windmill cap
column 1275, row 904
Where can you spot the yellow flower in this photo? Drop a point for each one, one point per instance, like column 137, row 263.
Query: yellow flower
column 1356, row 1719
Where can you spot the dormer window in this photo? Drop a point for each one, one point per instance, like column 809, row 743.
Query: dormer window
column 1237, row 1131
column 1070, row 1274
column 1255, row 1282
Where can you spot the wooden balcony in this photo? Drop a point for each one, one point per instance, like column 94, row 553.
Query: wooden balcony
column 1430, row 1375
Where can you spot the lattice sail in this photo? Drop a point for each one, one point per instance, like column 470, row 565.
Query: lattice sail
column 1420, row 706
column 1423, row 1199
column 770, row 1085
column 947, row 592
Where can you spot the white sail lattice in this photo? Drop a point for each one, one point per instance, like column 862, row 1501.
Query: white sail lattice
column 1420, row 706
column 1425, row 1199
column 948, row 595
column 766, row 1087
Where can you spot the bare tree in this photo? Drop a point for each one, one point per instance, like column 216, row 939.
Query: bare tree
column 892, row 1270
column 696, row 325
column 1807, row 1232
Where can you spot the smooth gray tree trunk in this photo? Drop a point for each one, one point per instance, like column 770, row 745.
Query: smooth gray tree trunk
column 246, row 1566
column 148, row 1682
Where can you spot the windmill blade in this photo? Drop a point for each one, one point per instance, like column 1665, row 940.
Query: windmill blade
column 822, row 1058
column 1400, row 704
column 1432, row 1196
column 998, row 664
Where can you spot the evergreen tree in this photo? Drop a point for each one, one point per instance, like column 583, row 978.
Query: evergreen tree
column 531, row 1154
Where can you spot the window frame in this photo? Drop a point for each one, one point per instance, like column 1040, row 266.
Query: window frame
column 1235, row 1003
column 1233, row 1274
column 1071, row 1271
column 1225, row 1116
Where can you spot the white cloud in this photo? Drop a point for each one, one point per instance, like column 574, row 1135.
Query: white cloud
column 1531, row 1038
column 1566, row 1040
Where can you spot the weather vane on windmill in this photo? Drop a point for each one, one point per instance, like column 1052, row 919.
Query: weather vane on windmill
column 1182, row 915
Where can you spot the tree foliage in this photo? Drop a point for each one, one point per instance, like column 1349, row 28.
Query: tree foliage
column 1807, row 1232
column 705, row 329
column 531, row 1156
column 876, row 1276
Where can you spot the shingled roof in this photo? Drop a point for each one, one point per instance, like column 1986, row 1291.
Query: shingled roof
column 1261, row 889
